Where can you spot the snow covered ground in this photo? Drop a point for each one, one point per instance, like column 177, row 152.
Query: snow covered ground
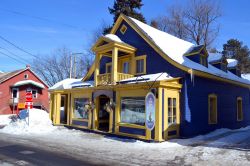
column 221, row 147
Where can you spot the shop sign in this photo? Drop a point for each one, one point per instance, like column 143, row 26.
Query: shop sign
column 150, row 110
column 21, row 105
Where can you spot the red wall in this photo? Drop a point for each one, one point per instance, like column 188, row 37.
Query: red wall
column 6, row 93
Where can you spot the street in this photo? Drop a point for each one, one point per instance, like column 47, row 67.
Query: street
column 23, row 154
column 222, row 147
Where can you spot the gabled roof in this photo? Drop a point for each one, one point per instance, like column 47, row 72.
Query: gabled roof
column 195, row 50
column 214, row 57
column 173, row 50
column 6, row 76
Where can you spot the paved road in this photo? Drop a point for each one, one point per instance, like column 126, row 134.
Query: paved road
column 16, row 154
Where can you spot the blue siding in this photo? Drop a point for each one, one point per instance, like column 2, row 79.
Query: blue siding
column 80, row 123
column 135, row 131
column 195, row 58
column 194, row 118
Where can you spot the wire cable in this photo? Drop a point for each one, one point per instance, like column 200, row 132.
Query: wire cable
column 17, row 60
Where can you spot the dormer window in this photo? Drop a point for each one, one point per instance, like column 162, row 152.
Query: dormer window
column 198, row 54
column 26, row 76
column 123, row 29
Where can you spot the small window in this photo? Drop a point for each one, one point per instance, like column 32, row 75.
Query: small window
column 171, row 111
column 34, row 93
column 125, row 67
column 123, row 29
column 108, row 68
column 15, row 93
column 239, row 109
column 212, row 109
column 140, row 62
column 26, row 76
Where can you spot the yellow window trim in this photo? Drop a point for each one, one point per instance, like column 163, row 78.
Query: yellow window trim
column 123, row 29
column 107, row 65
column 238, row 118
column 142, row 57
column 215, row 97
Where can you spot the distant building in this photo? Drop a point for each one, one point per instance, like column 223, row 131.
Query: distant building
column 147, row 84
column 15, row 84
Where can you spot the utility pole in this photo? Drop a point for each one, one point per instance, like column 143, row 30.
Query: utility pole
column 70, row 70
column 75, row 66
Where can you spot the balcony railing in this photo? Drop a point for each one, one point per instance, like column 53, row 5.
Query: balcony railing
column 105, row 79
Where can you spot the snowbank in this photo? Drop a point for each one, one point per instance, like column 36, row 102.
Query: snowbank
column 5, row 119
column 39, row 122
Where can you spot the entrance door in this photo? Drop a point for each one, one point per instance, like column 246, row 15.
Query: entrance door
column 64, row 109
column 103, row 115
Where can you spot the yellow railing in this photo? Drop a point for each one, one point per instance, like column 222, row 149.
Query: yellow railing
column 105, row 79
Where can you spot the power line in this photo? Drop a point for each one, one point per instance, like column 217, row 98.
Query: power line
column 24, row 60
column 21, row 49
column 17, row 60
column 40, row 18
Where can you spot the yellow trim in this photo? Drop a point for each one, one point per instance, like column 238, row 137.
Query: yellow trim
column 158, row 116
column 166, row 57
column 107, row 65
column 142, row 57
column 214, row 109
column 239, row 111
column 123, row 29
column 131, row 125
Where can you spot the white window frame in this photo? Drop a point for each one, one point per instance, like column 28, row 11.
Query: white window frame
column 26, row 76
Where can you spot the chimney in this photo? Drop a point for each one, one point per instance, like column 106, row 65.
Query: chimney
column 28, row 66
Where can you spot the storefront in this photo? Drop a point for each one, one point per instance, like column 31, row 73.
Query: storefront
column 121, row 109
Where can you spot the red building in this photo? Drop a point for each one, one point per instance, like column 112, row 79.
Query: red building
column 15, row 84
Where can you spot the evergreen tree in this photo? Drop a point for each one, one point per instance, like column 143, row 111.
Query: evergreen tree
column 235, row 49
column 127, row 7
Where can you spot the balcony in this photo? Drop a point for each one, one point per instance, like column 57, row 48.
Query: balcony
column 105, row 79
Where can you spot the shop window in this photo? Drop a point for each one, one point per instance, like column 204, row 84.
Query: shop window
column 80, row 112
column 108, row 67
column 123, row 29
column 171, row 111
column 133, row 110
column 212, row 109
column 141, row 65
column 239, row 109
column 125, row 67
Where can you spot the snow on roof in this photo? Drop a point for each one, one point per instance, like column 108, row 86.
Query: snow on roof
column 113, row 37
column 246, row 76
column 175, row 48
column 232, row 63
column 26, row 82
column 214, row 57
column 70, row 83
column 146, row 78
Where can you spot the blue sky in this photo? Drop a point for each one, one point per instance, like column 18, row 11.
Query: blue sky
column 72, row 23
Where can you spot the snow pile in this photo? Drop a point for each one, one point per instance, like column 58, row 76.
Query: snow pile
column 246, row 76
column 232, row 63
column 26, row 82
column 113, row 38
column 70, row 83
column 5, row 119
column 39, row 122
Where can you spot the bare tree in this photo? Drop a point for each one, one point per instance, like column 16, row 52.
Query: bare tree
column 56, row 67
column 196, row 22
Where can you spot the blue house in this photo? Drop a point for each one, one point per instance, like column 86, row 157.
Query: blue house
column 194, row 91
